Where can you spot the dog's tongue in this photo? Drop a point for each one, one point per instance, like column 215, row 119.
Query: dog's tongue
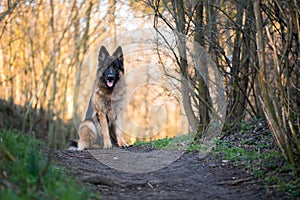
column 110, row 83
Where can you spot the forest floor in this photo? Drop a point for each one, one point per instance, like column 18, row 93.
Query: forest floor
column 189, row 177
column 214, row 176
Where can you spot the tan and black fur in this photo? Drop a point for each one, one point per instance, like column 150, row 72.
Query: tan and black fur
column 100, row 128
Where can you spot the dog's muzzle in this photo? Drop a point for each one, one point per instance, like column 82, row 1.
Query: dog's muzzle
column 110, row 80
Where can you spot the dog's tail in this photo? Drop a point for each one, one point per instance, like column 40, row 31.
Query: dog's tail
column 72, row 145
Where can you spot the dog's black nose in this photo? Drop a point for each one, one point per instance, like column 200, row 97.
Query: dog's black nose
column 110, row 77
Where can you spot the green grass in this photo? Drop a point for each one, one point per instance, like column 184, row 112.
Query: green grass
column 182, row 143
column 24, row 174
column 157, row 144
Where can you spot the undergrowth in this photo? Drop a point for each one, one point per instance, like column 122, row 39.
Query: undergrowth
column 26, row 174
column 251, row 148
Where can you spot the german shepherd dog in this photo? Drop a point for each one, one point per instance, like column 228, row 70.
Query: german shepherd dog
column 99, row 129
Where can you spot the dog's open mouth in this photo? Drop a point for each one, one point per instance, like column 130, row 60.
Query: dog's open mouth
column 110, row 83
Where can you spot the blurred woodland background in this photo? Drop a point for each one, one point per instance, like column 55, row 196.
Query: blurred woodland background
column 254, row 44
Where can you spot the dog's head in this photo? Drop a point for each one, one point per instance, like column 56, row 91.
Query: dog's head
column 110, row 68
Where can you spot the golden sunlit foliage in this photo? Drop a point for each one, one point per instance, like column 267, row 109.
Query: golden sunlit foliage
column 43, row 44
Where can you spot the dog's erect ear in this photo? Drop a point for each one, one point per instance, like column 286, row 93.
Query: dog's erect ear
column 119, row 54
column 103, row 54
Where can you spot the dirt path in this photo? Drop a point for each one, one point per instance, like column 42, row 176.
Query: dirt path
column 189, row 177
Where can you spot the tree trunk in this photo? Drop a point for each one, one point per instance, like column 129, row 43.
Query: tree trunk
column 201, row 86
column 185, row 79
column 237, row 99
column 112, row 22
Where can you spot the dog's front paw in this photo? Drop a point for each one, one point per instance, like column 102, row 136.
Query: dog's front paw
column 122, row 143
column 107, row 144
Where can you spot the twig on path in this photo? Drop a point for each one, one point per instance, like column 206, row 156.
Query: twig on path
column 149, row 184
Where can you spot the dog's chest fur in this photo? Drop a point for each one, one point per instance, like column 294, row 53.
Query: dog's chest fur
column 102, row 101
